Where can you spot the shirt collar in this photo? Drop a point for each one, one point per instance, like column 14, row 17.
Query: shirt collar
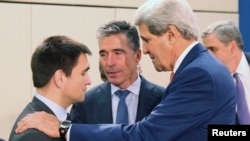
column 183, row 54
column 59, row 111
column 133, row 88
column 243, row 66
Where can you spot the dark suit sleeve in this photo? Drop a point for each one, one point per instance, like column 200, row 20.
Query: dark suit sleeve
column 172, row 119
column 77, row 113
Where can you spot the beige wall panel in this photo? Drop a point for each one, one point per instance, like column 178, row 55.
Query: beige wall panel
column 206, row 18
column 207, row 5
column 45, row 1
column 80, row 23
column 214, row 5
column 15, row 82
column 116, row 3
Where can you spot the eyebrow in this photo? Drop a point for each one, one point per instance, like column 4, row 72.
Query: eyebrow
column 115, row 49
column 87, row 69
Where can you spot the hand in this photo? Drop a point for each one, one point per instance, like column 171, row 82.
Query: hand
column 47, row 123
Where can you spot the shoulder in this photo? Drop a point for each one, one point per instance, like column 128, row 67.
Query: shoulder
column 147, row 85
column 101, row 88
column 31, row 135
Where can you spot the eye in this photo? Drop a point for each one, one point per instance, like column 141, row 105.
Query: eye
column 212, row 49
column 103, row 54
column 118, row 52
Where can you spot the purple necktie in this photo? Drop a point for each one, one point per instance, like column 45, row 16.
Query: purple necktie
column 122, row 110
column 242, row 109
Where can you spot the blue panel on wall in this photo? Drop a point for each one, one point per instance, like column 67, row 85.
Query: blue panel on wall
column 244, row 22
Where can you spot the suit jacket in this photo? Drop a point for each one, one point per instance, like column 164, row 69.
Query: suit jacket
column 97, row 106
column 202, row 92
column 247, row 54
column 31, row 134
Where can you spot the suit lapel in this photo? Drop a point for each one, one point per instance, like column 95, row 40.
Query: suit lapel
column 193, row 53
column 104, row 101
column 145, row 100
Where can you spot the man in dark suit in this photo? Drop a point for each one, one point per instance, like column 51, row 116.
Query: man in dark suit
column 60, row 74
column 201, row 92
column 120, row 53
column 224, row 40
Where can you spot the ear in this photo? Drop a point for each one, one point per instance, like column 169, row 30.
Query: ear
column 59, row 78
column 172, row 33
column 138, row 55
column 233, row 46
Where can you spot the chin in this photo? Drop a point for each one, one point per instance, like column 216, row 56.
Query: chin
column 82, row 98
column 157, row 68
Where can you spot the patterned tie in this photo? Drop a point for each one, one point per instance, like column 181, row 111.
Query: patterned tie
column 242, row 109
column 122, row 110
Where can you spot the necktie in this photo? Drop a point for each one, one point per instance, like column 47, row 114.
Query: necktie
column 242, row 109
column 68, row 117
column 171, row 76
column 122, row 110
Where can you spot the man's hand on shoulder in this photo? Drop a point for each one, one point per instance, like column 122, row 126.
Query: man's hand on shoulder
column 42, row 121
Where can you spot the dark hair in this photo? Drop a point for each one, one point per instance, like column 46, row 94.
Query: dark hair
column 54, row 53
column 116, row 27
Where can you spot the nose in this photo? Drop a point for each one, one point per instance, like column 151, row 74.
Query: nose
column 110, row 59
column 88, row 80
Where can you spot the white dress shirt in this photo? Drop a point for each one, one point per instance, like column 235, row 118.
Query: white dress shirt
column 183, row 55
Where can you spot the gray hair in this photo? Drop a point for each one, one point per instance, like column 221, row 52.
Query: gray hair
column 117, row 27
column 159, row 14
column 225, row 31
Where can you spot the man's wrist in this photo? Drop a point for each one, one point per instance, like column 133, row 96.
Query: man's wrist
column 63, row 128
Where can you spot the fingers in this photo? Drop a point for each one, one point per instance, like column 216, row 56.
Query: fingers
column 24, row 124
column 42, row 121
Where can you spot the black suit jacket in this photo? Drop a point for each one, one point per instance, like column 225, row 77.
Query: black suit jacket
column 97, row 106
column 31, row 134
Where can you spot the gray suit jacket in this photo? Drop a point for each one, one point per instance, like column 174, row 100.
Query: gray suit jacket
column 31, row 134
column 97, row 107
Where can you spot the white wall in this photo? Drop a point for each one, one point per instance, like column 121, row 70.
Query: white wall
column 24, row 25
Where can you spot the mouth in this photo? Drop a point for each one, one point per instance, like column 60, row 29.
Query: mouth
column 110, row 74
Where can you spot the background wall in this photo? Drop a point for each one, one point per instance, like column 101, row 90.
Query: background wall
column 25, row 23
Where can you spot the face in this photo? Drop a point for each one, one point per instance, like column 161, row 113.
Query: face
column 220, row 50
column 76, row 84
column 118, row 60
column 157, row 47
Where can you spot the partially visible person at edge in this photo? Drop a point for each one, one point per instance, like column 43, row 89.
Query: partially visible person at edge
column 201, row 92
column 224, row 40
column 60, row 74
column 119, row 49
